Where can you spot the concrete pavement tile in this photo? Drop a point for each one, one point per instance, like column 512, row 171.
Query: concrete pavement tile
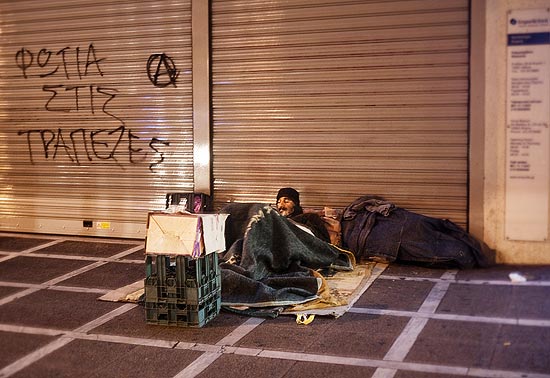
column 282, row 333
column 457, row 343
column 419, row 374
column 34, row 269
column 352, row 335
column 132, row 324
column 497, row 301
column 412, row 271
column 7, row 290
column 18, row 244
column 86, row 248
column 108, row 276
column 17, row 345
column 500, row 273
column 83, row 358
column 139, row 255
column 324, row 370
column 359, row 335
column 55, row 309
column 229, row 365
column 522, row 348
column 395, row 294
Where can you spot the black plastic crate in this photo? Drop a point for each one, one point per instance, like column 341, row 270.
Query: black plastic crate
column 182, row 314
column 195, row 202
column 180, row 287
column 181, row 277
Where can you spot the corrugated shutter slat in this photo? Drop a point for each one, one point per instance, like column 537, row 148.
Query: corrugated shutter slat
column 86, row 134
column 341, row 99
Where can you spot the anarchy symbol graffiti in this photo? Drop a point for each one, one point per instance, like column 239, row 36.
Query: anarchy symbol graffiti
column 161, row 70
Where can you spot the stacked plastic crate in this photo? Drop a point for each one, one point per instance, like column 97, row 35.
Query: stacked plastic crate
column 182, row 291
column 183, row 287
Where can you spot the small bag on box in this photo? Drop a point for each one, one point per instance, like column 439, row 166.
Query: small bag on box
column 191, row 202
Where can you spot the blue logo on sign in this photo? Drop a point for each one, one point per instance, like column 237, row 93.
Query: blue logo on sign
column 513, row 21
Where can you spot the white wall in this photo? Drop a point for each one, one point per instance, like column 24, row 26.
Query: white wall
column 509, row 252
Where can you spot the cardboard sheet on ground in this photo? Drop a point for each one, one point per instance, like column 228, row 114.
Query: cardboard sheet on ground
column 129, row 293
column 344, row 289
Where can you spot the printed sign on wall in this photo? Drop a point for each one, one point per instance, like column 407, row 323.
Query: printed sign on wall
column 528, row 120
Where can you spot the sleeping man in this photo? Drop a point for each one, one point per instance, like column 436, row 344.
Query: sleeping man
column 288, row 205
column 270, row 260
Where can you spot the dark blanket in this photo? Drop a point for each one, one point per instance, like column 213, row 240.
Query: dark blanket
column 269, row 259
column 376, row 229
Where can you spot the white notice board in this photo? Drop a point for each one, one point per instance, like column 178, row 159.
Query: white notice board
column 527, row 125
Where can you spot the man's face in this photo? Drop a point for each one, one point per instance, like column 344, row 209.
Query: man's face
column 285, row 206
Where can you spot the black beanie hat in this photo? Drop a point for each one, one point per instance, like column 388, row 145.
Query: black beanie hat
column 289, row 193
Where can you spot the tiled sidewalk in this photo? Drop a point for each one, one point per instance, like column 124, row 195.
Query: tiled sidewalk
column 412, row 322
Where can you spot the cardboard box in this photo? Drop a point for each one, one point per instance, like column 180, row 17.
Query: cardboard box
column 185, row 234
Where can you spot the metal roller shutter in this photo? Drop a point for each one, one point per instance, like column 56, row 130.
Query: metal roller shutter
column 95, row 113
column 341, row 99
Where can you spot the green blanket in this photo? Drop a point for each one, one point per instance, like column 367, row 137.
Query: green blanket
column 270, row 259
